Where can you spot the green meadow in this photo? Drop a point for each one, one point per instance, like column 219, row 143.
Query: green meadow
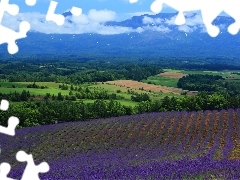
column 163, row 81
column 53, row 88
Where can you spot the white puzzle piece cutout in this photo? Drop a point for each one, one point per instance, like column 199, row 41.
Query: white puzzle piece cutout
column 8, row 35
column 12, row 124
column 4, row 105
column 4, row 170
column 31, row 171
column 59, row 18
column 209, row 11
column 12, row 121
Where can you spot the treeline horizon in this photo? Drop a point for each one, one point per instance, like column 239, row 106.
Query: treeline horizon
column 101, row 70
column 46, row 112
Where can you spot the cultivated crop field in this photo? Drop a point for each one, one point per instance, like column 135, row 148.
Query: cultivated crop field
column 162, row 145
column 169, row 78
column 175, row 75
column 110, row 87
column 137, row 85
column 162, row 81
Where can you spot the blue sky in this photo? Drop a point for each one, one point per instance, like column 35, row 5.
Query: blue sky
column 121, row 7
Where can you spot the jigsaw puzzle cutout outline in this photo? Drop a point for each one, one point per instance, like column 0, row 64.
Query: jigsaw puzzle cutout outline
column 4, row 170
column 31, row 171
column 59, row 18
column 10, row 36
column 12, row 121
column 209, row 11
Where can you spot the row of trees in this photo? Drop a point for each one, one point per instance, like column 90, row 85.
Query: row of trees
column 48, row 112
column 34, row 85
column 16, row 97
column 202, row 101
column 83, row 93
column 140, row 97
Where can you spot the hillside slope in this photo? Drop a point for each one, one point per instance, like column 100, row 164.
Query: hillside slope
column 156, row 145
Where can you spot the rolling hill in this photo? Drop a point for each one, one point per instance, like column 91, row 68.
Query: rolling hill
column 163, row 145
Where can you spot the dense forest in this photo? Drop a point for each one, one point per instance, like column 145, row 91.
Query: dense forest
column 209, row 83
column 75, row 72
column 102, row 69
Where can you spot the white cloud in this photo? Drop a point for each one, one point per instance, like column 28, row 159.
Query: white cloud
column 82, row 19
column 125, row 16
column 186, row 28
column 148, row 20
column 160, row 28
column 193, row 22
column 171, row 21
column 102, row 15
column 94, row 22
column 191, row 19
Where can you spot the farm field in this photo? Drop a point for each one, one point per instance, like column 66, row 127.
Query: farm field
column 224, row 74
column 139, row 85
column 110, row 87
column 162, row 81
column 157, row 87
column 171, row 76
column 41, row 92
column 163, row 145
column 53, row 88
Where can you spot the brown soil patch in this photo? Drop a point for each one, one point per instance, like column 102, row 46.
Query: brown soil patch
column 176, row 75
column 136, row 85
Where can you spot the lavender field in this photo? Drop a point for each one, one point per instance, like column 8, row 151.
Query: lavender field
column 163, row 145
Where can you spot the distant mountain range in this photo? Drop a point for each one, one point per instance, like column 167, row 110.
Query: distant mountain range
column 169, row 41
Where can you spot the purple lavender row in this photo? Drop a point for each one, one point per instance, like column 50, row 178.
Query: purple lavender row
column 229, row 140
column 110, row 166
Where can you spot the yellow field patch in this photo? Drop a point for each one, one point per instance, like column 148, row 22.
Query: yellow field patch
column 176, row 75
column 136, row 85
